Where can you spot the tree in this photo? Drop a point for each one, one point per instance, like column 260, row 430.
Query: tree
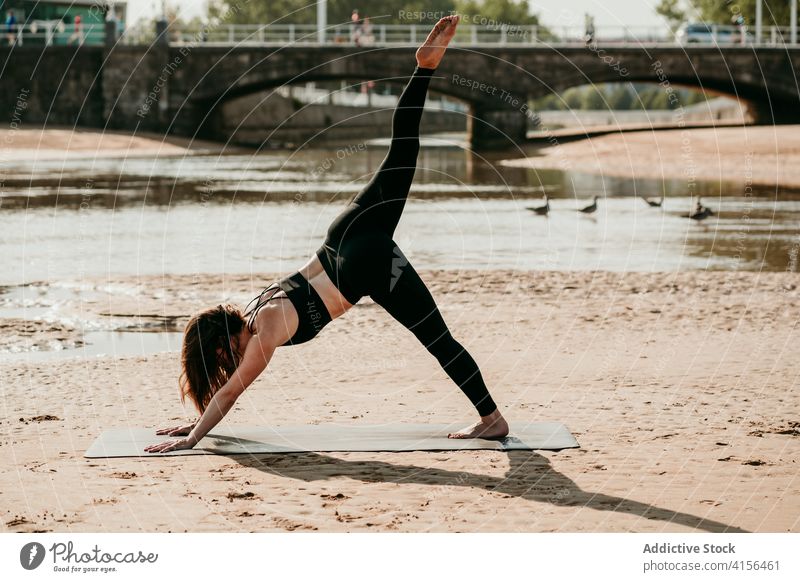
column 593, row 99
column 654, row 98
column 381, row 11
column 145, row 28
column 690, row 97
column 551, row 102
column 496, row 11
column 621, row 97
column 572, row 98
column 776, row 12
column 672, row 11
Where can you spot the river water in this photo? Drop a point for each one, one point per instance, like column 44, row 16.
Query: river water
column 268, row 212
column 63, row 221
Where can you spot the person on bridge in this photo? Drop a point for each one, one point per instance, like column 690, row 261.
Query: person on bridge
column 77, row 31
column 11, row 27
column 225, row 350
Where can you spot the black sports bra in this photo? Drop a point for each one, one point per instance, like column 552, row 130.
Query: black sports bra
column 312, row 314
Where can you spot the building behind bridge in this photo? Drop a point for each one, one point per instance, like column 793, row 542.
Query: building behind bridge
column 62, row 22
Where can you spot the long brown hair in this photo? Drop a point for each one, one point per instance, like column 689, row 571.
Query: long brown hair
column 210, row 353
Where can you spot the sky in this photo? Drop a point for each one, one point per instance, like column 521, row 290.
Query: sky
column 553, row 12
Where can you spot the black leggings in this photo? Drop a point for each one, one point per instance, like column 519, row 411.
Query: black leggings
column 361, row 258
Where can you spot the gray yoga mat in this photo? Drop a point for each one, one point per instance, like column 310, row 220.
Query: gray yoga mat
column 243, row 440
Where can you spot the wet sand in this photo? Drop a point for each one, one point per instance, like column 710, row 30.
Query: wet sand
column 680, row 387
column 754, row 155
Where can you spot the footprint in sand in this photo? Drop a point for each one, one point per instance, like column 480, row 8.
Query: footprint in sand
column 123, row 475
column 245, row 495
column 754, row 463
column 291, row 525
column 41, row 418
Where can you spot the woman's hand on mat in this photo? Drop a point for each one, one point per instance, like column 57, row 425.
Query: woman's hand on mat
column 165, row 447
column 177, row 430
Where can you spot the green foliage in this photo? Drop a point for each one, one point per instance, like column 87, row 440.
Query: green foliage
column 506, row 11
column 593, row 98
column 380, row 11
column 548, row 103
column 654, row 98
column 620, row 97
column 776, row 12
column 672, row 12
column 617, row 97
column 572, row 98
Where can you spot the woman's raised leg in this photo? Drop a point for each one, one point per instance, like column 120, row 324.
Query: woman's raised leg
column 379, row 206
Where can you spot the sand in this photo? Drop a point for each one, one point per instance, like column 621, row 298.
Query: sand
column 680, row 387
column 748, row 155
column 70, row 143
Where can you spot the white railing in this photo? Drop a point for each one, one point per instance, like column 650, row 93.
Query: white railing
column 52, row 32
column 472, row 35
column 58, row 33
column 374, row 35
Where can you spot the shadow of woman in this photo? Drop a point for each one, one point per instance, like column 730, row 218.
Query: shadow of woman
column 530, row 476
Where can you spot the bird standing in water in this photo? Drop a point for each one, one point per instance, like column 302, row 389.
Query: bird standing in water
column 700, row 212
column 655, row 202
column 541, row 210
column 591, row 208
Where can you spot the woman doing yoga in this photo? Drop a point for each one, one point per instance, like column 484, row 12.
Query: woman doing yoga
column 225, row 350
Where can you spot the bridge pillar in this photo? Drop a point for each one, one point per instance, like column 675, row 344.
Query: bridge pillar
column 135, row 87
column 493, row 129
column 777, row 112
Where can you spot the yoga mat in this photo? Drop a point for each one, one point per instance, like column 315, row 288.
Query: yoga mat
column 243, row 440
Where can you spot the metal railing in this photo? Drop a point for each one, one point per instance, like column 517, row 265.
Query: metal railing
column 57, row 33
column 52, row 32
column 471, row 35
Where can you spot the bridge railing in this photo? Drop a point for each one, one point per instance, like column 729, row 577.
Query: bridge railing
column 373, row 35
column 58, row 33
column 472, row 35
column 53, row 32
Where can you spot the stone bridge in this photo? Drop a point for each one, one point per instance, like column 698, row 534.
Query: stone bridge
column 181, row 89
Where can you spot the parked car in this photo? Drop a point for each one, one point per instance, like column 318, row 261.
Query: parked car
column 691, row 33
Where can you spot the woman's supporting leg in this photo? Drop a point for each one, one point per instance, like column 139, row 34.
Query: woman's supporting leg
column 404, row 295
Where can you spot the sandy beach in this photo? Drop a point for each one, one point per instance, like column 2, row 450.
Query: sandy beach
column 754, row 155
column 69, row 143
column 680, row 387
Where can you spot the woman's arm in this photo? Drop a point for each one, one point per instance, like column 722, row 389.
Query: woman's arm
column 257, row 355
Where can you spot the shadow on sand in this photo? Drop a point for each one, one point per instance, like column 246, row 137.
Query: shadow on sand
column 530, row 476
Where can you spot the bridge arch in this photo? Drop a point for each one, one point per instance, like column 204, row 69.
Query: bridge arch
column 108, row 87
column 497, row 81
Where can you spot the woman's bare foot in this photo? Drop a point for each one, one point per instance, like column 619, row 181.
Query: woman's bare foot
column 430, row 54
column 493, row 426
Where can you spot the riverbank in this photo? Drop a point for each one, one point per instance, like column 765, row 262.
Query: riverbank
column 28, row 144
column 747, row 155
column 680, row 387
